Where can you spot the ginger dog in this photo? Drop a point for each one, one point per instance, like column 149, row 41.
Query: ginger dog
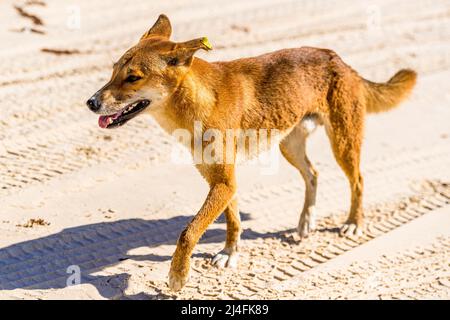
column 281, row 90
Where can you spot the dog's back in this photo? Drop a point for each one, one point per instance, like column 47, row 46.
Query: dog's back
column 276, row 90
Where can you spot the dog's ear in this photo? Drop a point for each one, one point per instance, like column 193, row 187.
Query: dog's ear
column 161, row 28
column 183, row 53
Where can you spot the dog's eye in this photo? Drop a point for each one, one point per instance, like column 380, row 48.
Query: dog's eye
column 172, row 62
column 131, row 79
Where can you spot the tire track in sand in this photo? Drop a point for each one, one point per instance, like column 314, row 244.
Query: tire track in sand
column 25, row 265
column 274, row 258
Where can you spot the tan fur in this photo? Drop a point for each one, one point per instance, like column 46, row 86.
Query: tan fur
column 382, row 97
column 272, row 91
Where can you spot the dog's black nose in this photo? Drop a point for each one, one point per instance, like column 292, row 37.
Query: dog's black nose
column 93, row 104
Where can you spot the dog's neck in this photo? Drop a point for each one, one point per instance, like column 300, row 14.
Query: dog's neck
column 196, row 95
column 193, row 100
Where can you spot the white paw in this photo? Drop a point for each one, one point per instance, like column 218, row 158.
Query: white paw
column 176, row 281
column 307, row 223
column 350, row 230
column 225, row 260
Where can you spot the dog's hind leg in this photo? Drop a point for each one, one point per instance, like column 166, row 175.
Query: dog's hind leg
column 229, row 256
column 293, row 148
column 344, row 127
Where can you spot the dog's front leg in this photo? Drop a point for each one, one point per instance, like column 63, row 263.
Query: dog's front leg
column 222, row 191
column 228, row 257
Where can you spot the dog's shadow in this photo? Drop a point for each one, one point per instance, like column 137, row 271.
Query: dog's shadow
column 52, row 262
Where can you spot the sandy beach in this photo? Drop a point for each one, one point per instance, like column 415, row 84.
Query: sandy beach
column 109, row 205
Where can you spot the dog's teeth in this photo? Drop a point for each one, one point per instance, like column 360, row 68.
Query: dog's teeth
column 131, row 107
column 110, row 120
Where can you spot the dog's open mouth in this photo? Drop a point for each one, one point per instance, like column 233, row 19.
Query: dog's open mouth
column 123, row 116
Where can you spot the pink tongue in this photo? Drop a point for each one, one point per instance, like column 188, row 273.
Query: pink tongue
column 103, row 121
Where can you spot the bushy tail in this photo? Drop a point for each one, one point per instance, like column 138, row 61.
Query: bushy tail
column 382, row 97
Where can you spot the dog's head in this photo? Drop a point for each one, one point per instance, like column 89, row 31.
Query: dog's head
column 145, row 76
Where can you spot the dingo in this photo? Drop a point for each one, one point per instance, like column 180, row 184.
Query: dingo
column 290, row 90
